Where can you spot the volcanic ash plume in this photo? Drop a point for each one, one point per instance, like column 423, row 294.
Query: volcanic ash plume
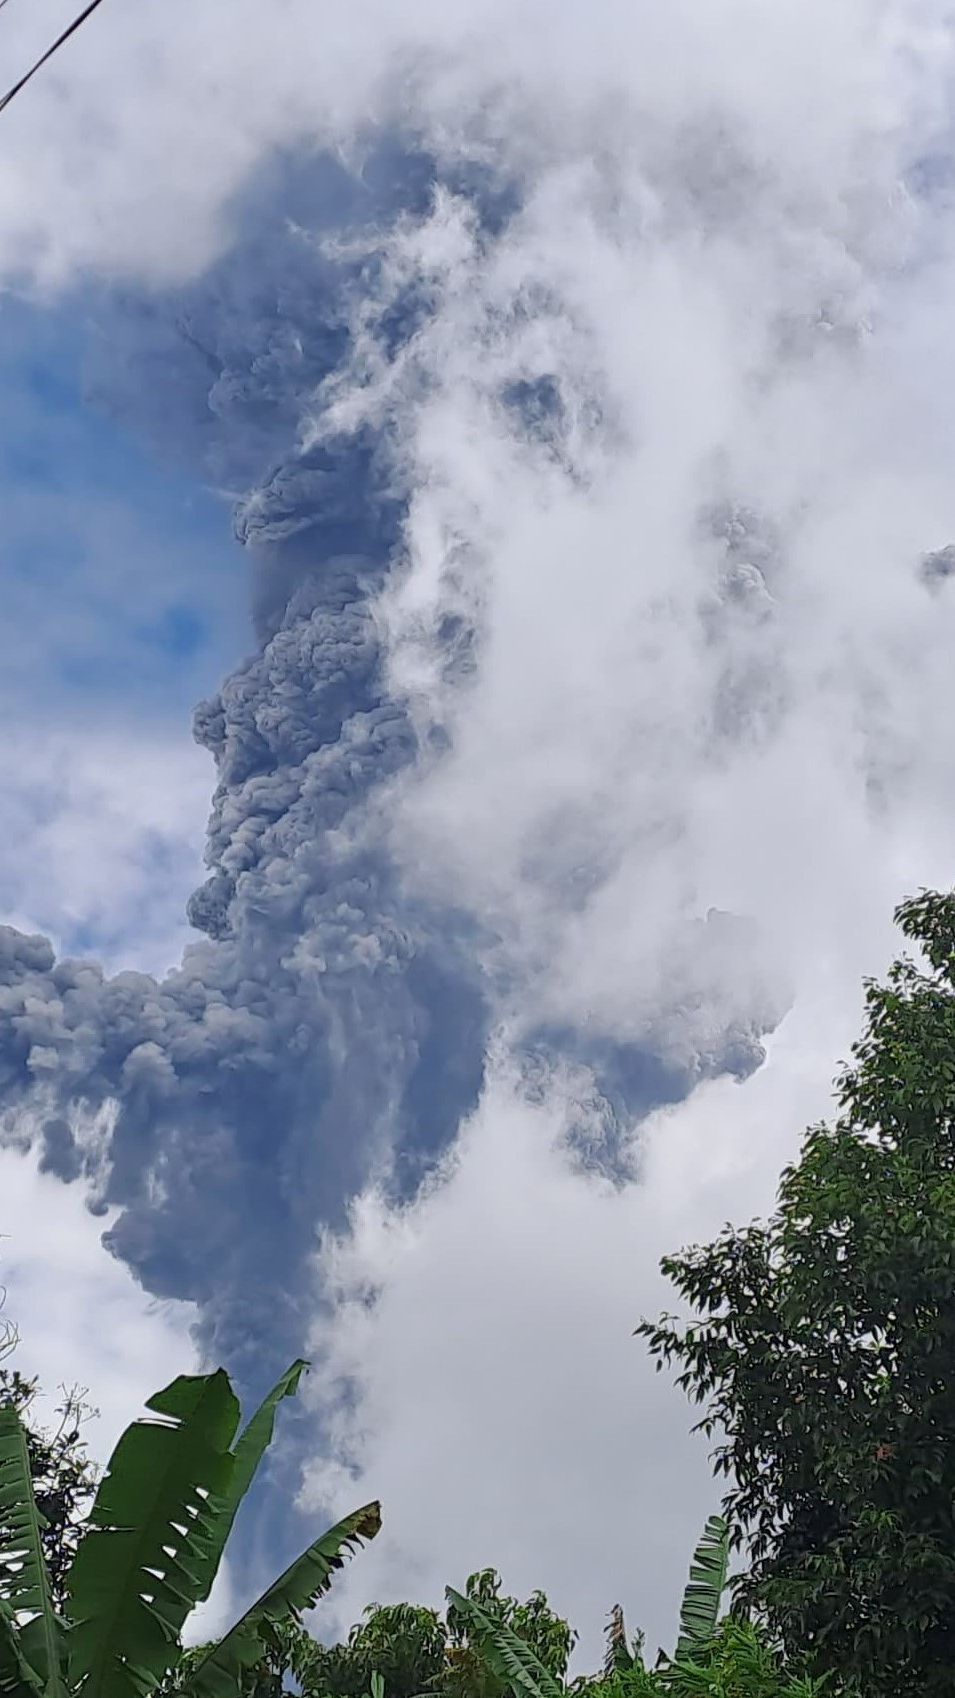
column 523, row 413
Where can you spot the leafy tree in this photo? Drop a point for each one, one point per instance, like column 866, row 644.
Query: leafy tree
column 156, row 1533
column 404, row 1644
column 471, row 1672
column 63, row 1476
column 823, row 1350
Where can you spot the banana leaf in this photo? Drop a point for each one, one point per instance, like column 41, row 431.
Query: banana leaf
column 17, row 1678
column 24, row 1582
column 700, row 1610
column 617, row 1656
column 248, row 1453
column 142, row 1567
column 219, row 1673
column 507, row 1654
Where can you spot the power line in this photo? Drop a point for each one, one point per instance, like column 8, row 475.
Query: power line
column 58, row 43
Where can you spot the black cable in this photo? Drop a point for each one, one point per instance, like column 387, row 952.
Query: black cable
column 58, row 43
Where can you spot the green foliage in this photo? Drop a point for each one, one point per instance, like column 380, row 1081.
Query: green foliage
column 470, row 1672
column 63, row 1476
column 150, row 1553
column 26, row 1585
column 17, row 1676
column 403, row 1643
column 714, row 1659
column 401, row 1648
column 248, row 1453
column 507, row 1655
column 704, row 1592
column 620, row 1656
column 219, row 1672
column 414, row 1653
column 156, row 1532
column 738, row 1662
column 286, row 1654
column 823, row 1351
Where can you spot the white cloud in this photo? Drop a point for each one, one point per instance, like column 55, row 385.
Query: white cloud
column 102, row 841
column 125, row 153
column 494, row 1397
column 81, row 1317
column 84, row 1323
column 636, row 744
column 738, row 301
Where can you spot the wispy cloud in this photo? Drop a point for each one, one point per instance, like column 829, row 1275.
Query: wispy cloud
column 102, row 836
column 75, row 1307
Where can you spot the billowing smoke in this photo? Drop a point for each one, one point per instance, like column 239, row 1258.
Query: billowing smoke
column 332, row 1025
column 326, row 1026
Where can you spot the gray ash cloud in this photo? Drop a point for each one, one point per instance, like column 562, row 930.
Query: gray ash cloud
column 325, row 1026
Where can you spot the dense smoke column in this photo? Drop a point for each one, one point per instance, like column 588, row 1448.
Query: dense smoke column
column 324, row 1027
column 327, row 1027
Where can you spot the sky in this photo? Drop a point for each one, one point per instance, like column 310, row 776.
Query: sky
column 477, row 483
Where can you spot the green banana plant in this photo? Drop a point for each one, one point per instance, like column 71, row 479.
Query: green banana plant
column 621, row 1655
column 709, row 1572
column 708, row 1649
column 157, row 1531
column 505, row 1652
column 31, row 1652
column 513, row 1660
